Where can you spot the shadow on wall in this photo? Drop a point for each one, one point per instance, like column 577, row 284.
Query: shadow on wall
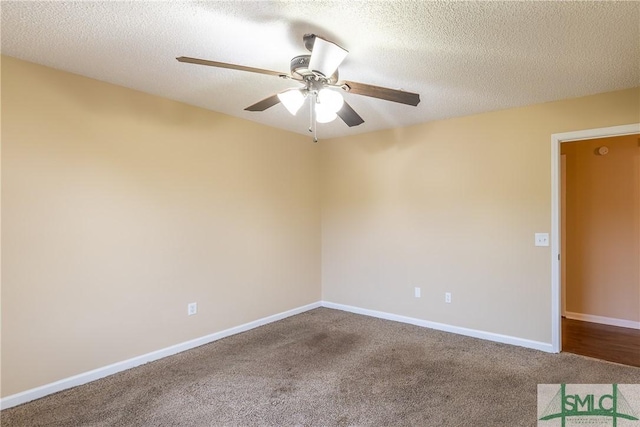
column 115, row 101
column 384, row 141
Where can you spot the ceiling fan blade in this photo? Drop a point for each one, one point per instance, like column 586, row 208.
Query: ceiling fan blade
column 381, row 93
column 349, row 115
column 326, row 56
column 264, row 104
column 229, row 66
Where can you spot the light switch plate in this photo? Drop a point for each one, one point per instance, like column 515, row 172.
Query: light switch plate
column 542, row 239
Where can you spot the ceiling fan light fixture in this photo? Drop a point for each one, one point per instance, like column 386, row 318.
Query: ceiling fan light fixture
column 330, row 99
column 324, row 114
column 292, row 99
column 326, row 57
column 318, row 72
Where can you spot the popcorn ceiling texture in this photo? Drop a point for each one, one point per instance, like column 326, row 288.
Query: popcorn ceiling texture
column 461, row 57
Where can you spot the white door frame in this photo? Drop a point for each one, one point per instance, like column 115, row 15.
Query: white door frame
column 556, row 140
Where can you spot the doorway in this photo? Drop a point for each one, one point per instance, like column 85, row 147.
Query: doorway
column 600, row 236
column 556, row 241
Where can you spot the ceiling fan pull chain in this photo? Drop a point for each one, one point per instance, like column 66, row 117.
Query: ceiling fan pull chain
column 313, row 116
column 310, row 112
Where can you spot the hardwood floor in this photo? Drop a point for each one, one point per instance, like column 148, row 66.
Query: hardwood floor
column 621, row 345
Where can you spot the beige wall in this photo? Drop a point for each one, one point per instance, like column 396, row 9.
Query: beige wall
column 119, row 208
column 452, row 206
column 602, row 244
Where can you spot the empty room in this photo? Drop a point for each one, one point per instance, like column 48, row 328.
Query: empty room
column 279, row 213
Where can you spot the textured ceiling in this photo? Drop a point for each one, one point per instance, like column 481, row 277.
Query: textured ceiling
column 461, row 57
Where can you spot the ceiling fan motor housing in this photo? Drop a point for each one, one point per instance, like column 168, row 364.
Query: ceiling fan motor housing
column 300, row 69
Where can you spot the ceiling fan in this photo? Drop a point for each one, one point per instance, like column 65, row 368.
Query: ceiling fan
column 318, row 74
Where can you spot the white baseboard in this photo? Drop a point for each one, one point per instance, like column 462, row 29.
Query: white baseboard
column 490, row 336
column 603, row 320
column 86, row 377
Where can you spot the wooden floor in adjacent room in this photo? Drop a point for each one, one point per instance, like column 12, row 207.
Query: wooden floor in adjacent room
column 612, row 343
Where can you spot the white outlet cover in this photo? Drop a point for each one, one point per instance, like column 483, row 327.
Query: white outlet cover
column 192, row 308
column 542, row 239
column 416, row 292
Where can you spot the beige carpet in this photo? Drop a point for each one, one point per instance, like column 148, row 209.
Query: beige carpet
column 325, row 368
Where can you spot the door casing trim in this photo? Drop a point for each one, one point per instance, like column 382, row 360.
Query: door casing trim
column 556, row 249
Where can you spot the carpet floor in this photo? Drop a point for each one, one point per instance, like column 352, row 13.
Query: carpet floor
column 326, row 368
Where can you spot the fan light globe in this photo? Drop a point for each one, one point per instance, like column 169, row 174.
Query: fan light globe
column 324, row 114
column 326, row 56
column 292, row 99
column 330, row 99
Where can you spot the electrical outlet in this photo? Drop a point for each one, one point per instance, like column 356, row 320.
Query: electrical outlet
column 447, row 297
column 416, row 292
column 192, row 308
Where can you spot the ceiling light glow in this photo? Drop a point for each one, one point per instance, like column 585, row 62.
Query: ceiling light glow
column 324, row 114
column 292, row 99
column 330, row 99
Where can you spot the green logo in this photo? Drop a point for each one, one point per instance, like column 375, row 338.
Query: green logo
column 591, row 408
